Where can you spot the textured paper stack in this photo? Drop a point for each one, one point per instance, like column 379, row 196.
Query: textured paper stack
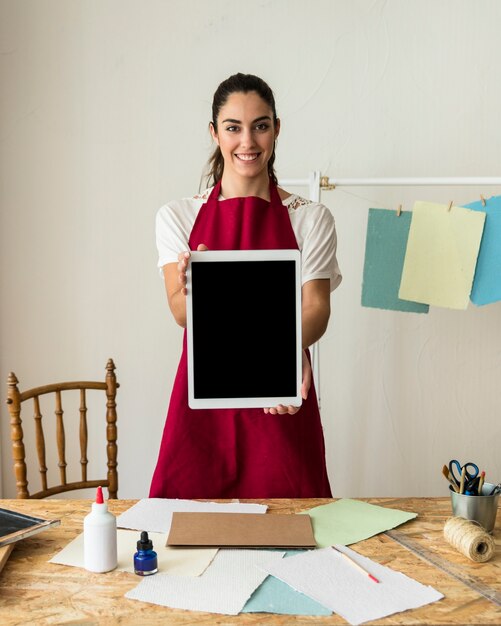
column 224, row 587
column 325, row 576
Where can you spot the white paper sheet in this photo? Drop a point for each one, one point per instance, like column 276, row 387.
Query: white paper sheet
column 327, row 577
column 155, row 514
column 224, row 587
column 179, row 561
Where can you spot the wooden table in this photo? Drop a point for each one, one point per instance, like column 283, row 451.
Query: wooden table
column 33, row 591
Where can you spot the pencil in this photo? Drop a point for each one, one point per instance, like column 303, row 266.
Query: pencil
column 480, row 483
column 356, row 565
column 463, row 476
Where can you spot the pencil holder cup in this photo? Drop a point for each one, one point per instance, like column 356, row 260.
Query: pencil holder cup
column 481, row 509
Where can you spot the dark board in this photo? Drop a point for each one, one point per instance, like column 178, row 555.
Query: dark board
column 15, row 526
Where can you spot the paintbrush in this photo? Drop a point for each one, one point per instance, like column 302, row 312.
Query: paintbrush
column 447, row 474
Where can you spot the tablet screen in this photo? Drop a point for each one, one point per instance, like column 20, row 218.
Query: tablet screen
column 244, row 328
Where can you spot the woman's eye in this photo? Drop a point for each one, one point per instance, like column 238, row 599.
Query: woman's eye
column 262, row 127
column 232, row 129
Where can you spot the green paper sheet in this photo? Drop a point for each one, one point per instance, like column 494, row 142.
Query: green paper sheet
column 441, row 255
column 385, row 246
column 348, row 521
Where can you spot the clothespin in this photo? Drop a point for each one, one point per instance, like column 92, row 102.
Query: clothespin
column 450, row 206
column 483, row 200
column 399, row 210
column 324, row 183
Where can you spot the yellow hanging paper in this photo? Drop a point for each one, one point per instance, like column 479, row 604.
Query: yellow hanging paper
column 441, row 255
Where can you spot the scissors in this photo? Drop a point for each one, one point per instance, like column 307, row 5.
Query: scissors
column 470, row 476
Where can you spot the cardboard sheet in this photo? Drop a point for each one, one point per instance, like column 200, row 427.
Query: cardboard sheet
column 189, row 562
column 487, row 283
column 223, row 588
column 347, row 521
column 441, row 255
column 385, row 246
column 331, row 580
column 241, row 530
column 155, row 514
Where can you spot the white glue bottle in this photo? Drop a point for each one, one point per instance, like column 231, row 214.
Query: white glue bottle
column 100, row 537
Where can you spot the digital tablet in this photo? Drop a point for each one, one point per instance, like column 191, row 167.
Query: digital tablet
column 243, row 315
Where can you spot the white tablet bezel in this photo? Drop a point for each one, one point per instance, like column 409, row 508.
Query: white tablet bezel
column 232, row 256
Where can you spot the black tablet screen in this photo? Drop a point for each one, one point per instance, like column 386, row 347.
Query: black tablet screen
column 244, row 329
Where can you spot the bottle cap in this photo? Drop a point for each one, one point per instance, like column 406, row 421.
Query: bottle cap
column 144, row 543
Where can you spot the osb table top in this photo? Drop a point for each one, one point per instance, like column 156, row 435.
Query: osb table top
column 33, row 591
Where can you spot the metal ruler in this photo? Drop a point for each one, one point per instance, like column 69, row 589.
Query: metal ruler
column 470, row 581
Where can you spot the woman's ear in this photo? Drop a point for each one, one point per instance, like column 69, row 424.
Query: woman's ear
column 277, row 128
column 213, row 132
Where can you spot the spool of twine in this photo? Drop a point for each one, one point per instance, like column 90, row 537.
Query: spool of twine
column 469, row 538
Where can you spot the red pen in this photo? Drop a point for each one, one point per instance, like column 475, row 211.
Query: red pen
column 355, row 564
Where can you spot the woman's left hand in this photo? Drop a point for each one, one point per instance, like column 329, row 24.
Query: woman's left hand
column 281, row 409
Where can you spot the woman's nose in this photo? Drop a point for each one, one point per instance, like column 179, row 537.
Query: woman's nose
column 246, row 138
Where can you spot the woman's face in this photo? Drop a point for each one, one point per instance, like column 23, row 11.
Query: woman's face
column 246, row 134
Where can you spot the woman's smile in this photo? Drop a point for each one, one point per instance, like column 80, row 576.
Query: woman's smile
column 247, row 156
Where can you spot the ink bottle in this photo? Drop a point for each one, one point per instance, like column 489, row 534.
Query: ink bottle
column 145, row 559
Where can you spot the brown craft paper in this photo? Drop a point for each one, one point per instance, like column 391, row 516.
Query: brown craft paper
column 242, row 530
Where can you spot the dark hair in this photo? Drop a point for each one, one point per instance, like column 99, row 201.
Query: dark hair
column 242, row 83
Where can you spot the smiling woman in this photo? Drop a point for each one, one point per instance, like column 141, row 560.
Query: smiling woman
column 277, row 452
column 246, row 144
column 245, row 127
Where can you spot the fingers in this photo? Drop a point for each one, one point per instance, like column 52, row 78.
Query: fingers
column 182, row 265
column 282, row 410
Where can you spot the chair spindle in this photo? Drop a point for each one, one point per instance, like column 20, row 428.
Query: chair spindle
column 111, row 428
column 83, row 434
column 61, row 442
column 40, row 441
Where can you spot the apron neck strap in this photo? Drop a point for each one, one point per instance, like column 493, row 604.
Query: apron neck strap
column 274, row 195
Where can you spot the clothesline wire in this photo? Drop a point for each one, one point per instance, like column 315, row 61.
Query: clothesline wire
column 316, row 183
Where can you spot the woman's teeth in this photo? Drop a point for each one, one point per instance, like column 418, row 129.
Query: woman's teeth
column 247, row 157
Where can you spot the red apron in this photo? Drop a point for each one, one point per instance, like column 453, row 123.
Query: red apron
column 240, row 453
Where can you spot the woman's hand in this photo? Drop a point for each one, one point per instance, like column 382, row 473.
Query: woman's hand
column 281, row 409
column 182, row 266
column 175, row 285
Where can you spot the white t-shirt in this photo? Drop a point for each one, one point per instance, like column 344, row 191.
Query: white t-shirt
column 312, row 223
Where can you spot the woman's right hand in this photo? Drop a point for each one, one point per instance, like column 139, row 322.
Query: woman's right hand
column 182, row 266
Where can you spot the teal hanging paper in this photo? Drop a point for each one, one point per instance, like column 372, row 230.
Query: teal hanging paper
column 487, row 280
column 385, row 247
column 275, row 596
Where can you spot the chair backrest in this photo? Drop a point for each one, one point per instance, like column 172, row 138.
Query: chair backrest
column 15, row 399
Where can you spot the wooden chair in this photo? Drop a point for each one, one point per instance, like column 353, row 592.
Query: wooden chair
column 15, row 398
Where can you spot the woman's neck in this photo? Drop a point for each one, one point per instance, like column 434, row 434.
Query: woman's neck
column 232, row 187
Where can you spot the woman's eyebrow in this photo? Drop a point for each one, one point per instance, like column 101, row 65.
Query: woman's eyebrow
column 258, row 119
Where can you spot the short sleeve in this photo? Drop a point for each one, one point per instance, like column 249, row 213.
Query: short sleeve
column 319, row 249
column 171, row 235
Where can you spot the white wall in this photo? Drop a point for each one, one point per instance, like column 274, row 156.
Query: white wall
column 104, row 113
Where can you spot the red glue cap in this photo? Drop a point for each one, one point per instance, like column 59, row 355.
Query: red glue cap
column 99, row 496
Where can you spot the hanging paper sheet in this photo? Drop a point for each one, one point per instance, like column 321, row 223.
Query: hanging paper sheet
column 441, row 254
column 487, row 281
column 385, row 246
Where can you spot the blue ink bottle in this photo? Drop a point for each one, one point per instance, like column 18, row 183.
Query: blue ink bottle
column 145, row 559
